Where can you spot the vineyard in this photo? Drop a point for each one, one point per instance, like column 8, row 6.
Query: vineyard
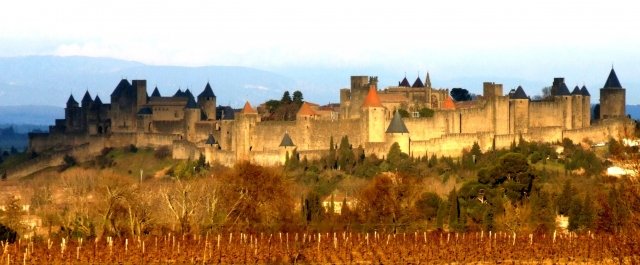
column 334, row 248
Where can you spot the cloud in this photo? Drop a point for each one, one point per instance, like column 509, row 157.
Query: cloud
column 257, row 87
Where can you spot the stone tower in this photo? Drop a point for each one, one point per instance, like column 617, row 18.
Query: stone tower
column 207, row 102
column 244, row 127
column 576, row 108
column 491, row 90
column 73, row 115
column 191, row 117
column 519, row 108
column 397, row 132
column 586, row 107
column 140, row 87
column 374, row 114
column 612, row 98
column 560, row 93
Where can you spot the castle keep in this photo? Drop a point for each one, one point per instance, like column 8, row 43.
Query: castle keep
column 194, row 125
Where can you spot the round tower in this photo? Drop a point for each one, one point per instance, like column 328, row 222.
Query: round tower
column 519, row 104
column 576, row 108
column 612, row 98
column 191, row 117
column 397, row 132
column 207, row 102
column 244, row 125
column 374, row 114
column 586, row 107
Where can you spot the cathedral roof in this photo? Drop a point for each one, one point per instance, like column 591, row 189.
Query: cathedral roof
column 372, row 100
column 404, row 82
column 122, row 87
column 418, row 83
column 448, row 103
column 612, row 80
column 519, row 94
column 156, row 92
column 247, row 109
column 211, row 140
column 397, row 125
column 207, row 92
column 145, row 111
column 72, row 101
column 86, row 100
column 286, row 141
column 584, row 91
column 576, row 91
column 306, row 110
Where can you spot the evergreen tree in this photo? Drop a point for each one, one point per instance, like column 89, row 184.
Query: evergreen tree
column 575, row 214
column 563, row 204
column 442, row 214
column 331, row 157
column 297, row 97
column 454, row 209
column 286, row 98
column 345, row 154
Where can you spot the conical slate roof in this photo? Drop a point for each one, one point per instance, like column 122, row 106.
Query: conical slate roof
column 123, row 87
column 156, row 92
column 612, row 80
column 211, row 140
column 72, row 101
column 306, row 110
column 584, row 91
column 207, row 92
column 247, row 109
column 404, row 82
column 97, row 101
column 286, row 141
column 372, row 100
column 86, row 100
column 519, row 94
column 418, row 83
column 191, row 102
column 397, row 125
column 563, row 90
column 179, row 93
column 576, row 91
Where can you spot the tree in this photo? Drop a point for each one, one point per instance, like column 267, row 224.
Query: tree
column 396, row 158
column 454, row 210
column 460, row 94
column 297, row 97
column 404, row 113
column 546, row 93
column 428, row 204
column 286, row 98
column 346, row 157
column 7, row 234
column 331, row 157
column 272, row 105
column 566, row 197
column 426, row 113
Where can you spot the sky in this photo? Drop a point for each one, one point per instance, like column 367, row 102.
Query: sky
column 532, row 40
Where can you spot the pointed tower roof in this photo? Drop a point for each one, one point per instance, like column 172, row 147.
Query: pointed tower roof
column 207, row 92
column 563, row 90
column 286, row 141
column 156, row 92
column 306, row 110
column 178, row 93
column 576, row 91
column 372, row 100
column 612, row 80
column 427, row 81
column 397, row 125
column 448, row 103
column 247, row 109
column 584, row 91
column 191, row 103
column 71, row 102
column 97, row 101
column 418, row 83
column 211, row 140
column 121, row 88
column 86, row 100
column 519, row 94
column 404, row 82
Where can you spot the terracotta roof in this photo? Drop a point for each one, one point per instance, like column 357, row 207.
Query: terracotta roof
column 397, row 125
column 519, row 94
column 448, row 103
column 612, row 80
column 404, row 82
column 306, row 110
column 372, row 100
column 247, row 109
column 286, row 141
column 584, row 91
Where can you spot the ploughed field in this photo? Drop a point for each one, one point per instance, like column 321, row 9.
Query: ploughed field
column 332, row 248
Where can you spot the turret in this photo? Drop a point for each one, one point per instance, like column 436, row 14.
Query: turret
column 397, row 132
column 244, row 126
column 560, row 93
column 576, row 108
column 519, row 108
column 140, row 87
column 612, row 98
column 72, row 115
column 286, row 147
column 586, row 107
column 86, row 100
column 374, row 114
column 207, row 102
column 191, row 117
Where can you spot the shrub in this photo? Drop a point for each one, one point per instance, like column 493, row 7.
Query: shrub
column 162, row 152
column 7, row 234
